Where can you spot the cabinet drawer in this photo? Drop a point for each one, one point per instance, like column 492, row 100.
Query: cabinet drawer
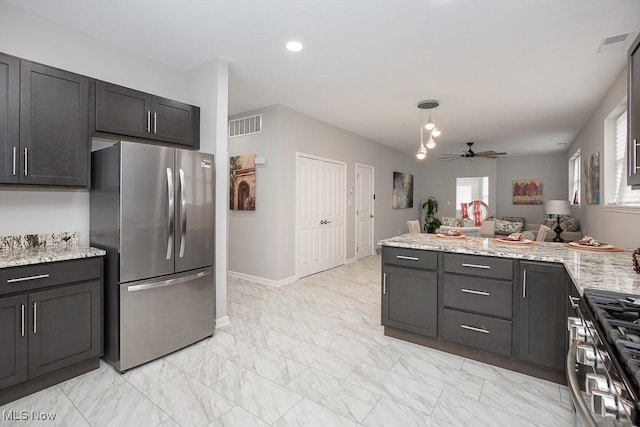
column 485, row 296
column 481, row 332
column 498, row 268
column 410, row 257
column 18, row 279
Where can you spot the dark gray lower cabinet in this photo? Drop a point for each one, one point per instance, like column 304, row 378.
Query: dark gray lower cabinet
column 13, row 336
column 410, row 300
column 65, row 327
column 542, row 313
column 50, row 324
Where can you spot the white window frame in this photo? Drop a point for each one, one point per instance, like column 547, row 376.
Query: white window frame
column 575, row 170
column 615, row 143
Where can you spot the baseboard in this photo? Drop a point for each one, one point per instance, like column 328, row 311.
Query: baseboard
column 222, row 321
column 262, row 280
column 350, row 260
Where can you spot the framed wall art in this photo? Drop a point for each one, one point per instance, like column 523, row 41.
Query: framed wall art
column 402, row 190
column 242, row 182
column 527, row 191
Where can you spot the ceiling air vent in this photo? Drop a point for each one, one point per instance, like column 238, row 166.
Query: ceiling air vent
column 245, row 126
column 613, row 42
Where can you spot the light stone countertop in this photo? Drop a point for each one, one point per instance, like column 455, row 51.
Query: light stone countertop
column 611, row 271
column 32, row 249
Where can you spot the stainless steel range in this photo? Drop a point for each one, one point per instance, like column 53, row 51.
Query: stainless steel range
column 603, row 364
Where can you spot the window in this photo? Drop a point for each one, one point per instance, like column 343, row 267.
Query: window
column 622, row 193
column 469, row 189
column 574, row 178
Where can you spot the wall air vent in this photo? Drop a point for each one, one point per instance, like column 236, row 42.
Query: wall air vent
column 245, row 126
column 613, row 42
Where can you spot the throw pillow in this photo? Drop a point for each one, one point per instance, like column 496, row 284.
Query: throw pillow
column 569, row 223
column 513, row 219
column 542, row 233
column 505, row 228
column 550, row 222
column 452, row 222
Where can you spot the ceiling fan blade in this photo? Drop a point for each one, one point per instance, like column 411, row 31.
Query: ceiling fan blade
column 490, row 153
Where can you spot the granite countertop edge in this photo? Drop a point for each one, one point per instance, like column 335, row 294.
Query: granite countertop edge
column 599, row 270
column 32, row 256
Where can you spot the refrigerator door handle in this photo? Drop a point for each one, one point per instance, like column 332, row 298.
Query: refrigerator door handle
column 169, row 282
column 170, row 212
column 183, row 213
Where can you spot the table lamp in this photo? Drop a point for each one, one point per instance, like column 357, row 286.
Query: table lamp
column 558, row 207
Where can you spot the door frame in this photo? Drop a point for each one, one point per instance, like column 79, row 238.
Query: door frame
column 373, row 208
column 299, row 155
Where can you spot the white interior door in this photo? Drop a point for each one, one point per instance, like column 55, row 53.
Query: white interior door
column 321, row 215
column 364, row 210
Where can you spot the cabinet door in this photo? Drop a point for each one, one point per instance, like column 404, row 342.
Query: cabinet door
column 54, row 126
column 13, row 339
column 65, row 327
column 122, row 111
column 9, row 119
column 543, row 315
column 633, row 116
column 409, row 300
column 175, row 122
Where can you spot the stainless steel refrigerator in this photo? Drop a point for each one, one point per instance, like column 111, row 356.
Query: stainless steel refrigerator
column 152, row 210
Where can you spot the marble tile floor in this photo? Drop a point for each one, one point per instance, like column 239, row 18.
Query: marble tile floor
column 310, row 353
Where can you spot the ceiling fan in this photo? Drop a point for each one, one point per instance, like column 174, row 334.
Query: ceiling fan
column 471, row 154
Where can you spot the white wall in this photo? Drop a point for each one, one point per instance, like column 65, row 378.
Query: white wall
column 616, row 226
column 551, row 168
column 262, row 243
column 439, row 181
column 30, row 37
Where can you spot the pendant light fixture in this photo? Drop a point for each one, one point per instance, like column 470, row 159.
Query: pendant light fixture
column 430, row 126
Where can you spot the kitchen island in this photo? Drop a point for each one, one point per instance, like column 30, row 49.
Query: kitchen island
column 500, row 303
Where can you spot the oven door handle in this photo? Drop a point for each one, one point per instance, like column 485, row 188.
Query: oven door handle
column 582, row 410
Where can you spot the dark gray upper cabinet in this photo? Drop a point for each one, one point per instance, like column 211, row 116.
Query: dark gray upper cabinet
column 633, row 116
column 127, row 112
column 53, row 147
column 542, row 300
column 9, row 118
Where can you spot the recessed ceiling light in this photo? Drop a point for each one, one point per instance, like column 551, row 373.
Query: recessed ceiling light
column 294, row 46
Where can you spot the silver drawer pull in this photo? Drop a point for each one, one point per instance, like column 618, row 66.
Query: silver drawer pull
column 574, row 301
column 384, row 283
column 474, row 329
column 24, row 279
column 410, row 258
column 486, row 267
column 472, row 291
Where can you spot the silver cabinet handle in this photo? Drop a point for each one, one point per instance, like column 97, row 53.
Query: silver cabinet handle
column 485, row 267
column 474, row 292
column 15, row 149
column 183, row 213
column 26, row 162
column 22, row 320
column 635, row 155
column 410, row 258
column 474, row 329
column 170, row 214
column 24, row 279
column 384, row 284
column 524, row 284
column 35, row 317
column 155, row 122
column 574, row 301
column 148, row 121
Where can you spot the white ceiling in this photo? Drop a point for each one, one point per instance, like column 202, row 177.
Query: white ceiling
column 519, row 76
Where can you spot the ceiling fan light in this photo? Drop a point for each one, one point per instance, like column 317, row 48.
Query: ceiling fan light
column 430, row 125
column 436, row 132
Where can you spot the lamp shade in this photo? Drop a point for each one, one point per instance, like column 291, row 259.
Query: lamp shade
column 558, row 207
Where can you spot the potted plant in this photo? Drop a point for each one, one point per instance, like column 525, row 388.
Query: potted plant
column 431, row 223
